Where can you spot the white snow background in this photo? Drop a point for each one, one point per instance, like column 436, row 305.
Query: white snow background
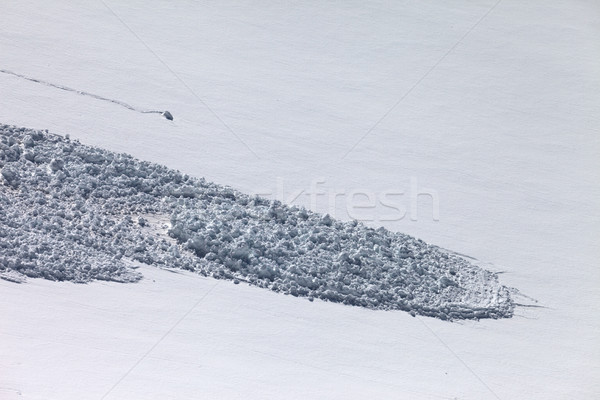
column 494, row 105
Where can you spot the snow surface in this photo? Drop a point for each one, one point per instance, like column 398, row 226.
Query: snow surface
column 504, row 128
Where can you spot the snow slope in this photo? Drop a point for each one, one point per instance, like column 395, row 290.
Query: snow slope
column 502, row 123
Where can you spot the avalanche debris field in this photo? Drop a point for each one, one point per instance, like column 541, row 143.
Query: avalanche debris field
column 70, row 212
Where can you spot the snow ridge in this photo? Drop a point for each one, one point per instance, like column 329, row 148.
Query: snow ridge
column 78, row 213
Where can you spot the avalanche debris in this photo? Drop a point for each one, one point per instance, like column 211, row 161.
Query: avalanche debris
column 78, row 213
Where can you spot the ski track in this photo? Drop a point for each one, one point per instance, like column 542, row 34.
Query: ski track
column 82, row 93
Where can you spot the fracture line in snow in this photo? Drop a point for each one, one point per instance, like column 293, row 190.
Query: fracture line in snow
column 81, row 92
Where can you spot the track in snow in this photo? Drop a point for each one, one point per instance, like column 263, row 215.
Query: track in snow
column 166, row 114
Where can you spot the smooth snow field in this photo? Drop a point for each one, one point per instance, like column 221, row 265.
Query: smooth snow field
column 470, row 125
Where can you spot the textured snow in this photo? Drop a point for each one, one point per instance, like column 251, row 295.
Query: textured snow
column 505, row 128
column 78, row 213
